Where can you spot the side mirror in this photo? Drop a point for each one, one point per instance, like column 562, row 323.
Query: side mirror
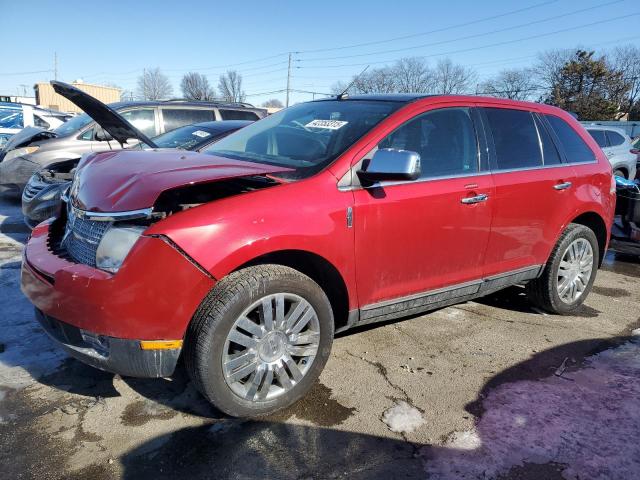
column 102, row 135
column 391, row 164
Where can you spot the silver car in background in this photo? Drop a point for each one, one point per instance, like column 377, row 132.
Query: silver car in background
column 618, row 147
column 33, row 149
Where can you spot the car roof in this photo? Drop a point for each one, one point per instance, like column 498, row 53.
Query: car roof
column 180, row 103
column 379, row 97
column 595, row 126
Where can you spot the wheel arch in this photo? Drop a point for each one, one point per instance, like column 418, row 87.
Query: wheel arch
column 319, row 269
column 595, row 223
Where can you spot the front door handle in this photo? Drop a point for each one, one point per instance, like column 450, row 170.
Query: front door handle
column 562, row 186
column 477, row 199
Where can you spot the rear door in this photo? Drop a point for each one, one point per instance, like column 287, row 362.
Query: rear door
column 417, row 236
column 534, row 190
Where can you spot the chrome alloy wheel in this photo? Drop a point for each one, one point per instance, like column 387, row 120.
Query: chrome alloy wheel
column 575, row 270
column 271, row 347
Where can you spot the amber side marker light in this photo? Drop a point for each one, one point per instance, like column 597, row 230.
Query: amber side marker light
column 160, row 344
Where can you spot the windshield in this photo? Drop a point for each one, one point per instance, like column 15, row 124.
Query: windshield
column 306, row 137
column 73, row 125
column 11, row 117
column 185, row 138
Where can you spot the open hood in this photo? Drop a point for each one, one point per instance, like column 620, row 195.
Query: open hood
column 119, row 128
column 126, row 180
column 25, row 136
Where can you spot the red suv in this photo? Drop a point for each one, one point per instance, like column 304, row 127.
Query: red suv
column 328, row 215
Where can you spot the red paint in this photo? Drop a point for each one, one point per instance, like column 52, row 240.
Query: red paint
column 405, row 239
column 133, row 179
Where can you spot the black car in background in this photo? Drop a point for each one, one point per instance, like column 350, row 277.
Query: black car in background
column 41, row 196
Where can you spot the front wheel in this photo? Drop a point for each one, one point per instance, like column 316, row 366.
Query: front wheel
column 569, row 273
column 259, row 340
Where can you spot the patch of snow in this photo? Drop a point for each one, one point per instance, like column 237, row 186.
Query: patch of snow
column 587, row 420
column 403, row 418
column 636, row 332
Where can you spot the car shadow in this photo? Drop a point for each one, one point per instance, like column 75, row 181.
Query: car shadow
column 511, row 440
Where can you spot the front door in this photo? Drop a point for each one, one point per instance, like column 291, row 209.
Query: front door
column 417, row 236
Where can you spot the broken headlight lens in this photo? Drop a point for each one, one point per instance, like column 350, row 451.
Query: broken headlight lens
column 20, row 152
column 115, row 245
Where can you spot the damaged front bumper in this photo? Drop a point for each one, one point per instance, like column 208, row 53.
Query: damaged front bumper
column 117, row 355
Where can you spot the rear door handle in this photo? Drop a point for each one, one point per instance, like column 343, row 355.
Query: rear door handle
column 562, row 186
column 477, row 199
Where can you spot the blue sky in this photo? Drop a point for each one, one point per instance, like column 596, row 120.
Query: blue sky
column 113, row 41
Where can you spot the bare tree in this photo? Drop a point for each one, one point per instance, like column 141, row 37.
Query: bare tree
column 451, row 78
column 626, row 59
column 412, row 75
column 195, row 86
column 515, row 84
column 273, row 103
column 230, row 86
column 547, row 71
column 154, row 85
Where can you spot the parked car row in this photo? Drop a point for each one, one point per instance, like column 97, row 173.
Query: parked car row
column 16, row 116
column 34, row 148
column 246, row 257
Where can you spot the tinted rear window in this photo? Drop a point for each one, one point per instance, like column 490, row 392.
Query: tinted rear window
column 599, row 137
column 515, row 138
column 576, row 149
column 615, row 139
column 177, row 117
column 238, row 115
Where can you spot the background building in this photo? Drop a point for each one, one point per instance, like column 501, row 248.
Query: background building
column 47, row 98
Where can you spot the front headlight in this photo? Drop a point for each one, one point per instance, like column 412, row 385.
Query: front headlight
column 20, row 152
column 115, row 245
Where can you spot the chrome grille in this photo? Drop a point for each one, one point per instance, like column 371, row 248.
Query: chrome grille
column 82, row 237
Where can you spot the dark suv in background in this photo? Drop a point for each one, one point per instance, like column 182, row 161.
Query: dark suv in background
column 35, row 148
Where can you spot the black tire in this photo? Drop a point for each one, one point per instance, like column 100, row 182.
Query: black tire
column 543, row 292
column 206, row 335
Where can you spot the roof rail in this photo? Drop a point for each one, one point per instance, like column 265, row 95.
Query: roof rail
column 210, row 102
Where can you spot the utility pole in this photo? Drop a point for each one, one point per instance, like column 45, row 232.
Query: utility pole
column 288, row 80
column 55, row 65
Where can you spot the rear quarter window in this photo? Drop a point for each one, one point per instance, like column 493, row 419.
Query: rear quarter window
column 615, row 139
column 575, row 148
column 515, row 138
column 238, row 115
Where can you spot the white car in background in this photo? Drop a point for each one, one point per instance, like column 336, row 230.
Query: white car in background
column 618, row 147
column 15, row 116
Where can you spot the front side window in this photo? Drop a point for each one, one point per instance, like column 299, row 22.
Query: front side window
column 88, row 135
column 306, row 137
column 515, row 138
column 144, row 119
column 11, row 118
column 575, row 148
column 445, row 139
column 600, row 137
column 177, row 117
column 238, row 115
column 615, row 138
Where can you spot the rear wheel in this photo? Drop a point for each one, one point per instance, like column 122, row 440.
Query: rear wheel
column 259, row 340
column 619, row 173
column 569, row 273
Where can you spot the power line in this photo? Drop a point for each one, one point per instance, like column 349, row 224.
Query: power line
column 429, row 32
column 467, row 37
column 470, row 49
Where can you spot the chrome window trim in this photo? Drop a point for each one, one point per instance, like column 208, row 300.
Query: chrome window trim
column 112, row 216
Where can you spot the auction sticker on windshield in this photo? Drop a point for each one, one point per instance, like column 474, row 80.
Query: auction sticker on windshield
column 201, row 134
column 328, row 124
